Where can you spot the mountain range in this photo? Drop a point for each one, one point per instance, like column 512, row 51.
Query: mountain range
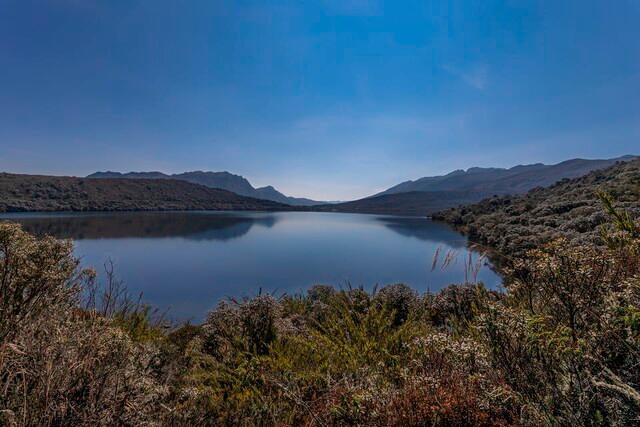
column 23, row 193
column 427, row 195
column 571, row 209
column 226, row 191
column 516, row 180
column 221, row 180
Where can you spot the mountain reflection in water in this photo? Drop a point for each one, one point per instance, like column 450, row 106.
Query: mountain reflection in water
column 423, row 229
column 187, row 261
column 188, row 225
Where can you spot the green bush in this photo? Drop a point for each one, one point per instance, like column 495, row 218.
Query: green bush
column 560, row 347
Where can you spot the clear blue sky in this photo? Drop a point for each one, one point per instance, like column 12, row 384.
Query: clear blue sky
column 331, row 99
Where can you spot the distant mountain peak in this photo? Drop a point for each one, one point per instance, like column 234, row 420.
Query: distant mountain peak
column 477, row 169
column 224, row 180
column 530, row 165
column 432, row 193
column 267, row 187
column 145, row 175
column 517, row 179
column 200, row 172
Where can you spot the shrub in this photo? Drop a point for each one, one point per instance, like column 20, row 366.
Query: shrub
column 455, row 303
column 59, row 363
column 560, row 347
column 258, row 317
column 35, row 275
column 400, row 300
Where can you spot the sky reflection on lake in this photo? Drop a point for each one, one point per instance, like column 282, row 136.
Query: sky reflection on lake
column 187, row 261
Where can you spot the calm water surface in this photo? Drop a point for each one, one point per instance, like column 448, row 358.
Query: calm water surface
column 187, row 261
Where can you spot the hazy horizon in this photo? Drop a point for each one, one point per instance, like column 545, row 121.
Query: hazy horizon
column 334, row 100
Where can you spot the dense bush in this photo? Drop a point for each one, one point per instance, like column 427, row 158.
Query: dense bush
column 367, row 360
column 570, row 209
column 560, row 347
column 61, row 362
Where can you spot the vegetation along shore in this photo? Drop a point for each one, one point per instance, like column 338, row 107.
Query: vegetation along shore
column 561, row 345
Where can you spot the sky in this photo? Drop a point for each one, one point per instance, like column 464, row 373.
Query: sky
column 329, row 99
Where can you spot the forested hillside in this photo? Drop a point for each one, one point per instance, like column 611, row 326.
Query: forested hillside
column 21, row 193
column 570, row 209
column 220, row 180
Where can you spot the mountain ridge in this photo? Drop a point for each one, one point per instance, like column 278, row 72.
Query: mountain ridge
column 570, row 209
column 222, row 180
column 25, row 193
column 514, row 180
column 413, row 203
column 428, row 195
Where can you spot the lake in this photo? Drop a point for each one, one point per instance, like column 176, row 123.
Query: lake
column 187, row 261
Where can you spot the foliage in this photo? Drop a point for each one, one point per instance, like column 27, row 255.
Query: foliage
column 560, row 347
column 570, row 209
column 23, row 193
column 62, row 363
column 360, row 359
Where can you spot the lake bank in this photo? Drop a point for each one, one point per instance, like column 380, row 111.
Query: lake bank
column 187, row 261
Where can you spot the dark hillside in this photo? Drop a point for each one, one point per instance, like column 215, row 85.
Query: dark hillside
column 415, row 203
column 220, row 180
column 20, row 193
column 570, row 208
column 428, row 195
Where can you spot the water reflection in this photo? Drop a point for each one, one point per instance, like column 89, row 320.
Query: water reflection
column 188, row 225
column 198, row 225
column 424, row 229
column 187, row 261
